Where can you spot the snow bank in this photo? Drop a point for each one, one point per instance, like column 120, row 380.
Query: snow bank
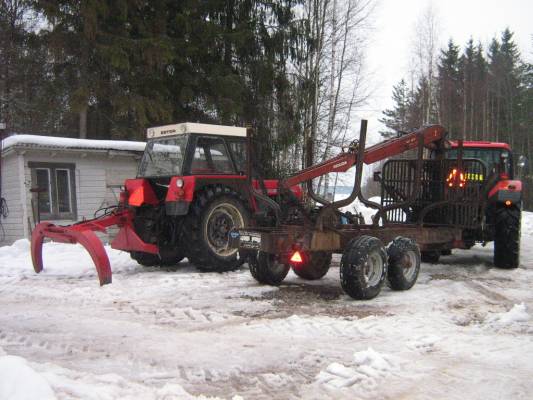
column 88, row 386
column 515, row 315
column 527, row 223
column 72, row 143
column 368, row 369
column 59, row 259
column 18, row 381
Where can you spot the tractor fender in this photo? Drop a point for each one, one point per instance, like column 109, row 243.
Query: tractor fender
column 139, row 192
column 180, row 195
column 506, row 190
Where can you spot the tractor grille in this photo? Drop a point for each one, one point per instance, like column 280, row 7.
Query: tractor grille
column 440, row 199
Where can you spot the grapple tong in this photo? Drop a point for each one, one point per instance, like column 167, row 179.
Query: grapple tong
column 84, row 233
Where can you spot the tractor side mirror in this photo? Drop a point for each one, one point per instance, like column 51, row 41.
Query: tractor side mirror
column 522, row 165
column 522, row 162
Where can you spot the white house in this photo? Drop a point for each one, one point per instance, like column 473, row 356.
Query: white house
column 60, row 179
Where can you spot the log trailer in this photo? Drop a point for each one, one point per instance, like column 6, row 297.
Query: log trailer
column 428, row 207
column 196, row 195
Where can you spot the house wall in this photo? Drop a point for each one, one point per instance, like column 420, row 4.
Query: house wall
column 98, row 177
column 13, row 225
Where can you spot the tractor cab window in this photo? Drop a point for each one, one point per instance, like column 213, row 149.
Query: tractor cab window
column 494, row 159
column 238, row 151
column 211, row 157
column 163, row 157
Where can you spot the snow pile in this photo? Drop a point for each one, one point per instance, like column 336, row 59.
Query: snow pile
column 18, row 381
column 72, row 143
column 59, row 259
column 515, row 316
column 87, row 386
column 527, row 223
column 368, row 369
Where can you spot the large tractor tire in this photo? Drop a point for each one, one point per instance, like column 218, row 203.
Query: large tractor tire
column 316, row 267
column 265, row 268
column 363, row 268
column 214, row 213
column 404, row 263
column 153, row 260
column 507, row 237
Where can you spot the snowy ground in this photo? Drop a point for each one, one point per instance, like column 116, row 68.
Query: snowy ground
column 465, row 331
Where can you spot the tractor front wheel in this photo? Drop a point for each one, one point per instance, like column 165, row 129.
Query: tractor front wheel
column 214, row 214
column 363, row 267
column 507, row 238
column 153, row 260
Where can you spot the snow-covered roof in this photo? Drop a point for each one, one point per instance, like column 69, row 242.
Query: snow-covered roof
column 71, row 143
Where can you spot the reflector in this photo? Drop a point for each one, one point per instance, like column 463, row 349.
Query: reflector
column 296, row 258
column 137, row 197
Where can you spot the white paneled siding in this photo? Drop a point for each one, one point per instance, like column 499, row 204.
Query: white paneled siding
column 13, row 225
column 97, row 175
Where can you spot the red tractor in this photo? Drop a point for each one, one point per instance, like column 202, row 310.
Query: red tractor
column 191, row 189
column 501, row 201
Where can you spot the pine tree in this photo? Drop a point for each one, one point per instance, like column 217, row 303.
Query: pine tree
column 396, row 119
column 449, row 89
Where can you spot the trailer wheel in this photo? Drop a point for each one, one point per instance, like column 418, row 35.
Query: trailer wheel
column 215, row 212
column 404, row 263
column 431, row 257
column 363, row 267
column 265, row 268
column 316, row 267
column 507, row 238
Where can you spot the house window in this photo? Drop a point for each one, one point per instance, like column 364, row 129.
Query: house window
column 54, row 189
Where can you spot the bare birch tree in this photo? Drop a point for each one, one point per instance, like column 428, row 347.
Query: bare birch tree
column 426, row 46
column 334, row 74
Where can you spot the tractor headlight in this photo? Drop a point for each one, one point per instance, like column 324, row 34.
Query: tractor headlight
column 179, row 182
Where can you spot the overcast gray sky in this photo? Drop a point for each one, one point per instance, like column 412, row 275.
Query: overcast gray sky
column 389, row 50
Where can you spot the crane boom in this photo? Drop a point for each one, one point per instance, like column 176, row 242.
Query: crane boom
column 347, row 159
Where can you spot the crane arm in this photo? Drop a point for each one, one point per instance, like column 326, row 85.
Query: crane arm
column 347, row 159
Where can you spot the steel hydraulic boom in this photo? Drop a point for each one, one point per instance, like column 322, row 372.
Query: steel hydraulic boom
column 388, row 148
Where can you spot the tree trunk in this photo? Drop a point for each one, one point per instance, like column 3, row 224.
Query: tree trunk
column 83, row 123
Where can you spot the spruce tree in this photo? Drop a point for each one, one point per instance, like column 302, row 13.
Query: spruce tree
column 449, row 89
column 396, row 119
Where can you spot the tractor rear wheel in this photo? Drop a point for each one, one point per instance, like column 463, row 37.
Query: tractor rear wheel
column 507, row 238
column 404, row 263
column 266, row 268
column 316, row 267
column 215, row 212
column 363, row 268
